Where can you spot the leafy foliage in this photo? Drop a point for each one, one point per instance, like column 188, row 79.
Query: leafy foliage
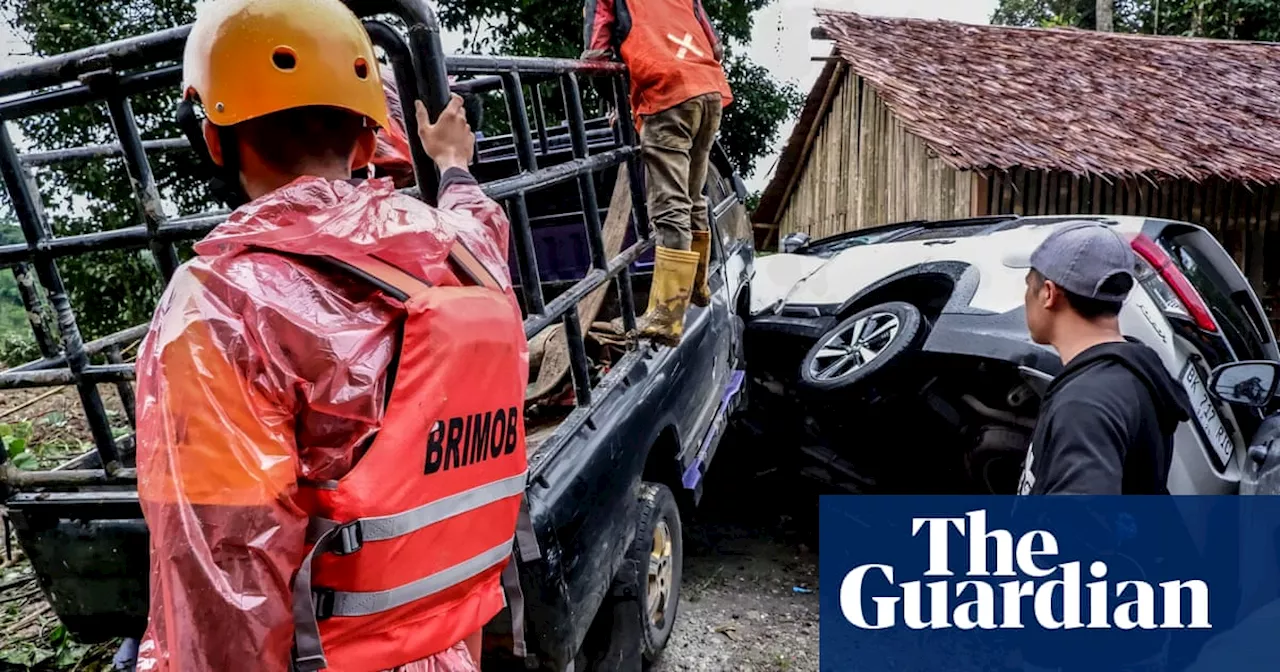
column 56, row 650
column 17, row 344
column 1225, row 19
column 15, row 438
column 760, row 106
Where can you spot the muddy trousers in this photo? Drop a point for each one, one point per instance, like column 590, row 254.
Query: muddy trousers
column 676, row 144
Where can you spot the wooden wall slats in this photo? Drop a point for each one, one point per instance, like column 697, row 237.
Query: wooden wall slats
column 865, row 169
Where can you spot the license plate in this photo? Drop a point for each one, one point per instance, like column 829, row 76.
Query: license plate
column 1206, row 414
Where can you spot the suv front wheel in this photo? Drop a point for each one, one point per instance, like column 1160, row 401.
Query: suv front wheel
column 860, row 346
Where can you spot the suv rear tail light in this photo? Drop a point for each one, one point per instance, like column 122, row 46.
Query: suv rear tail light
column 1165, row 282
column 1160, row 291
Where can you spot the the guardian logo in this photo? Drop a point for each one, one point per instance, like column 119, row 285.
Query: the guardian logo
column 1037, row 591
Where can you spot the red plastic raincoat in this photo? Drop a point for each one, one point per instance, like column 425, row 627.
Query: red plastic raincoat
column 262, row 370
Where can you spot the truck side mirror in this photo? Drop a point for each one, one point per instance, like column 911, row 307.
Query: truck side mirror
column 740, row 188
column 793, row 241
column 1250, row 383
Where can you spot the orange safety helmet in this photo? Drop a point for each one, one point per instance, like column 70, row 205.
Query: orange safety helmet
column 249, row 58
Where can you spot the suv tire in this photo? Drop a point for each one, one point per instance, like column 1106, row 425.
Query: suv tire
column 862, row 345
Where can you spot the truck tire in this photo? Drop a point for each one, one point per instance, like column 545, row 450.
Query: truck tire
column 627, row 635
column 658, row 555
column 845, row 356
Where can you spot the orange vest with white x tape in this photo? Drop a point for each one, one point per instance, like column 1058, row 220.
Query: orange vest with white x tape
column 669, row 54
column 408, row 548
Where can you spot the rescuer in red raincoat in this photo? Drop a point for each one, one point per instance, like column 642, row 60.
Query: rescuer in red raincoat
column 678, row 90
column 264, row 376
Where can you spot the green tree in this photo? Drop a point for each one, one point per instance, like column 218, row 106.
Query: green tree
column 1129, row 16
column 1223, row 19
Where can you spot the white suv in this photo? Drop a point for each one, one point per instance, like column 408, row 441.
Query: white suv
column 914, row 333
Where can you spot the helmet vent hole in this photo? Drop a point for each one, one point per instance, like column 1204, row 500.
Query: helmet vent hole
column 362, row 68
column 284, row 58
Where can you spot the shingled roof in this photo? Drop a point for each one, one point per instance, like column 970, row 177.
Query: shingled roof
column 1077, row 101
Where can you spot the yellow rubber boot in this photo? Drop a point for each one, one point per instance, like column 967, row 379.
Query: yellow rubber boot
column 669, row 295
column 701, row 292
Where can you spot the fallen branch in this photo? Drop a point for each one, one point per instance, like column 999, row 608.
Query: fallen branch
column 17, row 582
column 32, row 402
column 21, row 596
column 31, row 619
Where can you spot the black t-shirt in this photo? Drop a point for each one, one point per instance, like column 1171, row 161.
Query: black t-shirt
column 1106, row 425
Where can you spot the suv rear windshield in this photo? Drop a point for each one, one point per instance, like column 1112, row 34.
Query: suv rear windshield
column 964, row 230
column 1230, row 300
column 827, row 247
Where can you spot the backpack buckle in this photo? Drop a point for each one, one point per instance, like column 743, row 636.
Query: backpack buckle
column 347, row 539
column 322, row 598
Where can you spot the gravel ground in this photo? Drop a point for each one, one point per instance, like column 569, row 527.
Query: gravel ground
column 749, row 548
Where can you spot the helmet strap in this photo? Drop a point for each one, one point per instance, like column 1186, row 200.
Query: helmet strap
column 223, row 180
column 225, row 183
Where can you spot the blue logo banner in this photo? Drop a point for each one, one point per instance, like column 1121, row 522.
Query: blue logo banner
column 1049, row 584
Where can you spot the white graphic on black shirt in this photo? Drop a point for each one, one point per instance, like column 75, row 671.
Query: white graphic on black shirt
column 1028, row 479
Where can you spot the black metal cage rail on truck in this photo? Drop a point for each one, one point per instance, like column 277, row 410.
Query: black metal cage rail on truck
column 114, row 72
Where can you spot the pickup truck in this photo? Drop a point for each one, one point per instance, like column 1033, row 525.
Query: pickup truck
column 611, row 472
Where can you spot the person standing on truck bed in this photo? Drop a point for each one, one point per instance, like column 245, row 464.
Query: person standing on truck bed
column 678, row 90
column 331, row 447
column 1109, row 432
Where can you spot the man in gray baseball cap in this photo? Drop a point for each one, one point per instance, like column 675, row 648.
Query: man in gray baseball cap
column 1110, row 432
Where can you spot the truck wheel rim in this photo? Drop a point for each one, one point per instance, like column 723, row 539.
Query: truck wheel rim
column 855, row 346
column 659, row 574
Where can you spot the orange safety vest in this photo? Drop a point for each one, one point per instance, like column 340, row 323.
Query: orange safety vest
column 668, row 55
column 408, row 548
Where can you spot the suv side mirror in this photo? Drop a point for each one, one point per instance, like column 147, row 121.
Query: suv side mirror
column 739, row 188
column 1250, row 383
column 1036, row 379
column 793, row 241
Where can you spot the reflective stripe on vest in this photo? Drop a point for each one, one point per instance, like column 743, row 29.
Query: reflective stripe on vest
column 381, row 528
column 447, row 526
column 364, row 604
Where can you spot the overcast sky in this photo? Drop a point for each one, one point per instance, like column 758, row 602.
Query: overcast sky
column 780, row 41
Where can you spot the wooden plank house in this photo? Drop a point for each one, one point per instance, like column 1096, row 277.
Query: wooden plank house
column 913, row 119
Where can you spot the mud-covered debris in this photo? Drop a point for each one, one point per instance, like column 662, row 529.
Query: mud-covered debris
column 729, row 630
